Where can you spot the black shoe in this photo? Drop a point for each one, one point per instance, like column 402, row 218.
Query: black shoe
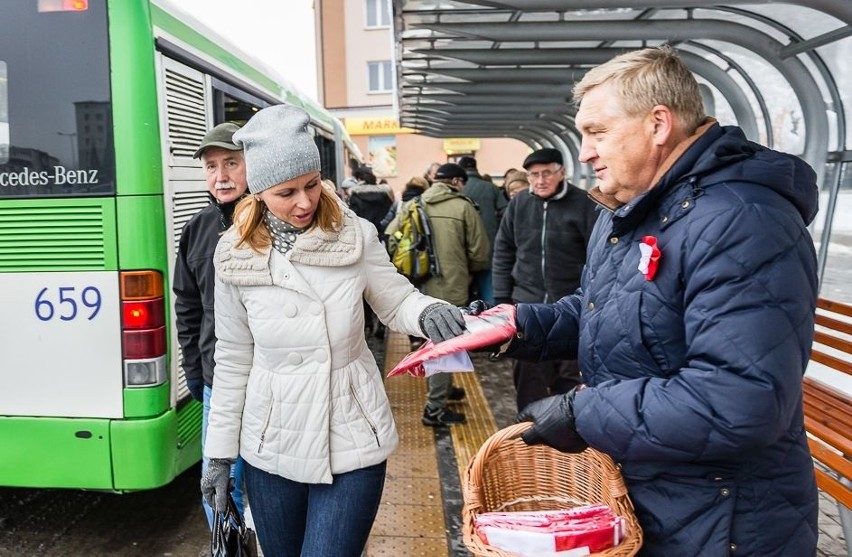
column 442, row 417
column 457, row 394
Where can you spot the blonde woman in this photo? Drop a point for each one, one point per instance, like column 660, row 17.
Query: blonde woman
column 297, row 393
column 515, row 182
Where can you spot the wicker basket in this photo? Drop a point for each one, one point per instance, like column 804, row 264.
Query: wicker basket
column 509, row 475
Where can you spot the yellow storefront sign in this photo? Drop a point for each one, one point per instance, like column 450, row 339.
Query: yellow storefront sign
column 374, row 126
column 455, row 145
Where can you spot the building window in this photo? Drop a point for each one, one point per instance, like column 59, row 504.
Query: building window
column 378, row 13
column 380, row 76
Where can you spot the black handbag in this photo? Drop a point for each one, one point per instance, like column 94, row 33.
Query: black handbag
column 231, row 537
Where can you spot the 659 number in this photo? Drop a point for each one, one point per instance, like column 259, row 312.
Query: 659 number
column 68, row 303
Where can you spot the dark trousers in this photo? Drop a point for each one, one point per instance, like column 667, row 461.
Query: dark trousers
column 537, row 380
column 294, row 519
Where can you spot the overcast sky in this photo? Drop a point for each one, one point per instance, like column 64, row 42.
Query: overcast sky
column 278, row 32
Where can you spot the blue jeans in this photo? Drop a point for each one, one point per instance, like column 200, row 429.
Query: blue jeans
column 236, row 469
column 294, row 519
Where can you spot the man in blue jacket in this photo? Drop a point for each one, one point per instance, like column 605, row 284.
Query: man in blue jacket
column 694, row 320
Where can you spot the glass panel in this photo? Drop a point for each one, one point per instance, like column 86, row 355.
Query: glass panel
column 372, row 18
column 4, row 115
column 373, row 68
column 387, row 82
column 836, row 56
column 385, row 15
column 55, row 101
column 783, row 106
column 837, row 278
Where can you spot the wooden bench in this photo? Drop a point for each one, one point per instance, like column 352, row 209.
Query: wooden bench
column 828, row 411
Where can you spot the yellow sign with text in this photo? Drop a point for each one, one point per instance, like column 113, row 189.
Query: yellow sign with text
column 455, row 145
column 374, row 126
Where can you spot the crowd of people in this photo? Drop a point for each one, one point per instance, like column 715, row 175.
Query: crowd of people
column 664, row 316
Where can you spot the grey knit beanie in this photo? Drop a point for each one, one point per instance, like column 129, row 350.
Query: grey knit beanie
column 277, row 146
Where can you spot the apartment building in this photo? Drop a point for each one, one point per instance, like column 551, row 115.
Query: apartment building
column 356, row 83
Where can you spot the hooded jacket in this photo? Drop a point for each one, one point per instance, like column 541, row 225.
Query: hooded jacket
column 541, row 245
column 459, row 240
column 695, row 373
column 297, row 391
column 371, row 202
column 490, row 200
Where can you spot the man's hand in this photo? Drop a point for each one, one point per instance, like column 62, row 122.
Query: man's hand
column 215, row 483
column 553, row 419
column 476, row 307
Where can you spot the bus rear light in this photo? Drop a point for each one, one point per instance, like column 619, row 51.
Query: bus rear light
column 140, row 285
column 142, row 344
column 143, row 314
column 145, row 373
column 63, row 5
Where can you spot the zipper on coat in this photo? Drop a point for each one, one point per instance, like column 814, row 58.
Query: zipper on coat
column 544, row 251
column 364, row 413
column 265, row 426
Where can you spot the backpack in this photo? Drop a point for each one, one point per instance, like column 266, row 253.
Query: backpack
column 412, row 248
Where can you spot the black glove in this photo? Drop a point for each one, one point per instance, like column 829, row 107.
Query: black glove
column 196, row 387
column 476, row 307
column 215, row 483
column 554, row 423
column 440, row 322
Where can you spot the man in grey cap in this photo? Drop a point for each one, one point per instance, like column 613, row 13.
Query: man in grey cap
column 194, row 277
column 539, row 253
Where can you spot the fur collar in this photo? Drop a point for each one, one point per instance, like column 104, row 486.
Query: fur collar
column 242, row 265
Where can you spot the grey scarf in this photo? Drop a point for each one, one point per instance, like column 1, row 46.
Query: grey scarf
column 283, row 234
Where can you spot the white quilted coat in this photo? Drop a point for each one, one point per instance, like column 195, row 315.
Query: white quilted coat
column 296, row 391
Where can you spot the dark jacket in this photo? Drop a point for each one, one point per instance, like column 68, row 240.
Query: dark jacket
column 695, row 376
column 371, row 202
column 540, row 247
column 490, row 200
column 193, row 285
column 409, row 193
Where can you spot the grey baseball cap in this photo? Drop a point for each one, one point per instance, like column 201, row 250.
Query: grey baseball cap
column 220, row 136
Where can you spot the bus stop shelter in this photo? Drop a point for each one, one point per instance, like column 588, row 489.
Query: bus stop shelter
column 505, row 68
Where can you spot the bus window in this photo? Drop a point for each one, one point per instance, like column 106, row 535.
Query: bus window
column 4, row 116
column 56, row 137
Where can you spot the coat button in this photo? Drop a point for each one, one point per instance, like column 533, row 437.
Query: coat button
column 685, row 205
column 290, row 310
column 286, row 276
column 613, row 240
column 664, row 219
column 725, row 492
column 294, row 359
column 320, row 355
column 733, row 547
column 591, row 306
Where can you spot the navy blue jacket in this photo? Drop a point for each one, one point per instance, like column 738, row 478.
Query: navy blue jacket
column 695, row 377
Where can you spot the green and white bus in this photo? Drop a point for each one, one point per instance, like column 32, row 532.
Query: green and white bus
column 102, row 103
